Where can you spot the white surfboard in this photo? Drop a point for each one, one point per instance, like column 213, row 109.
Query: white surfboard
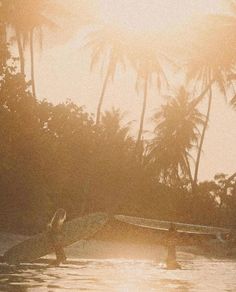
column 40, row 244
column 165, row 225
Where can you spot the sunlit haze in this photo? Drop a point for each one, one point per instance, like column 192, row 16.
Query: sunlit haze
column 67, row 67
column 118, row 145
column 153, row 15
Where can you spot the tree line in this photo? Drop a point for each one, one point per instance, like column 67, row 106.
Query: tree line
column 61, row 156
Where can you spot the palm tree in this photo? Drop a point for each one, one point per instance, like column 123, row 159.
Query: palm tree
column 13, row 17
column 35, row 23
column 4, row 53
column 233, row 102
column 176, row 134
column 32, row 21
column 113, row 127
column 111, row 45
column 145, row 60
column 8, row 17
column 26, row 18
column 212, row 60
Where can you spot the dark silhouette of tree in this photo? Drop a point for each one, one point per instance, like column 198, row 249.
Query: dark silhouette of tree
column 109, row 45
column 27, row 19
column 212, row 59
column 13, row 19
column 111, row 122
column 4, row 52
column 36, row 17
column 145, row 59
column 36, row 20
column 176, row 134
column 11, row 15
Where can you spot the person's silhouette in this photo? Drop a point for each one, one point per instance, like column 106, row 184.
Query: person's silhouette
column 171, row 262
column 54, row 229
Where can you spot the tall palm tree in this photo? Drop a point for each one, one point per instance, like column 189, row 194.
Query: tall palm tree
column 212, row 61
column 26, row 18
column 35, row 24
column 32, row 21
column 4, row 52
column 14, row 17
column 145, row 59
column 176, row 134
column 109, row 45
column 9, row 19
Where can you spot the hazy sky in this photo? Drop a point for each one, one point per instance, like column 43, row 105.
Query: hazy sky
column 62, row 71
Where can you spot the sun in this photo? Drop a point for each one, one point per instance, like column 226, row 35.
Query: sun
column 152, row 15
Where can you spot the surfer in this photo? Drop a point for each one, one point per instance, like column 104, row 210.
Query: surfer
column 231, row 241
column 171, row 262
column 54, row 229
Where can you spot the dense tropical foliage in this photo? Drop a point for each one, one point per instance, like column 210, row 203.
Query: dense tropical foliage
column 60, row 156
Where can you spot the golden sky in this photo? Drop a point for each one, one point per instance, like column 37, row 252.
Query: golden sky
column 63, row 71
column 149, row 14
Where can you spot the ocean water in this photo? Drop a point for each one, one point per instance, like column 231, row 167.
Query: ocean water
column 121, row 276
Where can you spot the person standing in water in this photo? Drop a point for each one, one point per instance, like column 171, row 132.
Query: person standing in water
column 171, row 262
column 54, row 229
column 231, row 242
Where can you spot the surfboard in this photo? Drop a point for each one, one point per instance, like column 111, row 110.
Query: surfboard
column 40, row 244
column 165, row 225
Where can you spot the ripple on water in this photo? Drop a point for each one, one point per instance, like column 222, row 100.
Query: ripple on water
column 120, row 276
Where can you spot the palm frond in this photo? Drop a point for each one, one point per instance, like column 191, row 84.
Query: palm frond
column 233, row 102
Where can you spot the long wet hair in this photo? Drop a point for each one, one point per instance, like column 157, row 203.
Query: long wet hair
column 58, row 218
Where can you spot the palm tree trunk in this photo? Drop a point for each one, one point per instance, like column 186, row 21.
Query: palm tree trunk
column 32, row 61
column 3, row 45
column 202, row 140
column 177, row 177
column 21, row 53
column 102, row 97
column 188, row 169
column 143, row 113
column 201, row 96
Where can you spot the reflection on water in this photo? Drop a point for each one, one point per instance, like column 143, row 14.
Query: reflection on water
column 120, row 276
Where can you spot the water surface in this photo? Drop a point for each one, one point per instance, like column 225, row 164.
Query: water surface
column 121, row 276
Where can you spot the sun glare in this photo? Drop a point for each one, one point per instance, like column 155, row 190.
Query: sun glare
column 151, row 15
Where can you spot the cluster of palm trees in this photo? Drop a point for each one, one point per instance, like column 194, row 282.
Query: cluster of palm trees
column 209, row 66
column 176, row 134
column 22, row 22
column 121, row 48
